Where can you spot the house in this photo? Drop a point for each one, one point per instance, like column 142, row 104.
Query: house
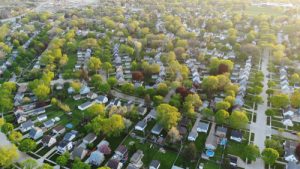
column 59, row 129
column 92, row 95
column 114, row 164
column 136, row 159
column 221, row 131
column 289, row 113
column 141, row 125
column 193, row 135
column 38, row 111
column 289, row 151
column 142, row 110
column 48, row 140
column 49, row 123
column 155, row 164
column 157, row 129
column 36, row 133
column 20, row 118
column 70, row 135
column 101, row 99
column 121, row 152
column 85, row 105
column 26, row 126
column 202, row 127
column 96, row 158
column 236, row 136
column 84, row 90
column 42, row 117
column 79, row 152
column 91, row 137
column 64, row 146
column 287, row 121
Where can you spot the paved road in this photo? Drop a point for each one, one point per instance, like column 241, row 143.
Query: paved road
column 260, row 127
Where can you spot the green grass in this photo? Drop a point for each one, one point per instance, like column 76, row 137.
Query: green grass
column 152, row 153
column 235, row 148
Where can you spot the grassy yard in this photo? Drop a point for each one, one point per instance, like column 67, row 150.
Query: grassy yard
column 151, row 152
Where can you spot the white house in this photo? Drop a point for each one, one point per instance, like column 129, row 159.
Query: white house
column 101, row 99
column 85, row 105
column 26, row 126
column 141, row 125
column 193, row 136
column 64, row 146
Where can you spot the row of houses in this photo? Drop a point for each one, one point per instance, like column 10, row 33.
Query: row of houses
column 243, row 81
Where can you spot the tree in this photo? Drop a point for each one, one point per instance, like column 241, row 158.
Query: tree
column 269, row 155
column 162, row 89
column 295, row 99
column 107, row 67
column 94, row 64
column 221, row 116
column 95, row 110
column 174, row 135
column 280, row 100
column 127, row 88
column 7, row 128
column 207, row 112
column 190, row 152
column 29, row 163
column 210, row 84
column 45, row 166
column 238, row 119
column 270, row 112
column 8, row 155
column 275, row 144
column 27, row 145
column 76, row 85
column 62, row 160
column 251, row 152
column 194, row 99
column 15, row 136
column 167, row 115
column 112, row 81
column 78, row 164
column 42, row 92
column 223, row 105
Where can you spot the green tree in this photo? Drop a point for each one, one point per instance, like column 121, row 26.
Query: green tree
column 95, row 110
column 27, row 145
column 8, row 155
column 45, row 166
column 42, row 92
column 78, row 164
column 251, row 152
column 7, row 128
column 190, row 152
column 295, row 99
column 238, row 120
column 223, row 105
column 280, row 100
column 275, row 144
column 269, row 155
column 29, row 163
column 15, row 136
column 167, row 115
column 62, row 160
column 221, row 116
column 94, row 64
